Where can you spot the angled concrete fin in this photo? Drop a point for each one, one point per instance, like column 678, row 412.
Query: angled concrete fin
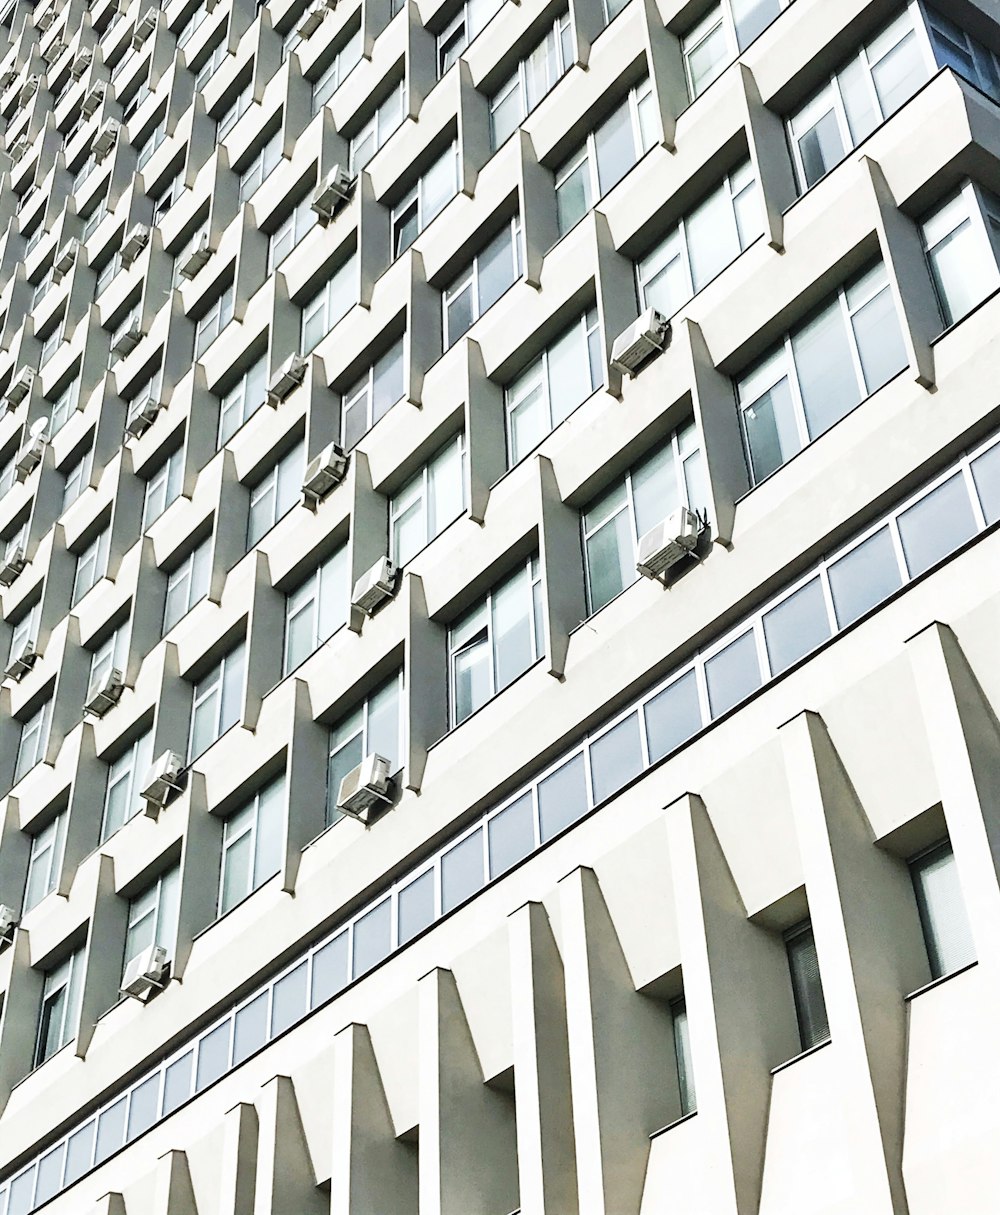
column 173, row 1193
column 109, row 1204
column 239, row 1161
column 286, row 1178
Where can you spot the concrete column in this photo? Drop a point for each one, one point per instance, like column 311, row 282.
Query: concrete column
column 70, row 690
column 109, row 1204
column 474, row 145
column 19, row 1017
column 420, row 62
column 666, row 72
column 770, row 158
column 545, row 1149
column 615, row 289
column 173, row 1193
column 286, row 1177
column 373, row 1172
column 264, row 641
column 468, row 1148
column 200, row 864
column 620, row 1046
column 369, row 527
column 422, row 337
column 103, row 953
column 86, row 804
column 305, row 779
column 587, row 21
column 537, row 206
column 229, row 527
column 15, row 851
column 147, row 611
column 173, row 707
column 374, row 237
column 485, row 440
column 126, row 513
column 870, row 950
column 239, row 1161
column 563, row 595
column 425, row 683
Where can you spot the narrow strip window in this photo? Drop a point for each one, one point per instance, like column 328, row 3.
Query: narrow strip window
column 428, row 502
column 533, row 77
column 276, row 493
column 807, row 986
column 375, row 727
column 491, row 272
column 216, row 701
column 252, row 845
column 383, row 122
column 316, row 609
column 372, row 396
column 943, row 917
column 424, row 201
column 59, row 1015
column 962, row 243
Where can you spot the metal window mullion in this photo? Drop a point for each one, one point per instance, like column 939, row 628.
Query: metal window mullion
column 977, row 216
column 798, row 405
column 970, row 485
column 852, row 340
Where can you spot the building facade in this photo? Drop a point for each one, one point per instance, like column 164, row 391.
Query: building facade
column 375, row 837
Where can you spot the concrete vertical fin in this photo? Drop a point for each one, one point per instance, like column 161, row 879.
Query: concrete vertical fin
column 564, row 598
column 373, row 1172
column 109, row 1204
column 545, row 1149
column 286, row 1177
column 173, row 1193
column 769, row 156
column 462, row 1119
column 239, row 1161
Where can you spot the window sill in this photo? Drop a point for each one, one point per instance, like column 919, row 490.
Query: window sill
column 670, row 1125
column 952, row 974
column 801, row 1055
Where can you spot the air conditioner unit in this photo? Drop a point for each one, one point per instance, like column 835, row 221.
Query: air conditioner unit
column 8, row 922
column 666, row 543
column 14, row 561
column 29, row 457
column 313, row 17
column 141, row 415
column 22, row 662
column 641, row 341
column 7, row 78
column 334, row 190
column 162, row 779
column 144, row 973
column 20, row 386
column 53, row 50
column 29, row 89
column 364, row 787
column 66, row 256
column 46, row 19
column 286, row 379
column 374, row 587
column 135, row 242
column 196, row 257
column 104, row 141
column 323, row 472
column 17, row 149
column 144, row 27
column 92, row 101
column 80, row 64
column 104, row 693
column 127, row 340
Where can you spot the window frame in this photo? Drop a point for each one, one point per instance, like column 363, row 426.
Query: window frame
column 399, row 507
column 270, row 795
column 219, row 682
column 47, row 847
column 199, row 557
column 129, row 766
column 72, row 988
column 349, row 733
column 310, row 595
column 282, row 467
column 414, row 201
column 163, row 897
column 469, row 280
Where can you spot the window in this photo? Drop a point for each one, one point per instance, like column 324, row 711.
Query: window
column 328, row 83
column 252, row 845
column 163, row 487
column 276, row 493
column 153, row 141
column 216, row 56
column 8, row 472
column 316, row 609
column 548, row 391
column 64, row 406
column 59, row 1015
column 244, row 398
column 91, row 565
column 472, row 18
column 428, row 502
column 167, row 197
column 533, row 77
column 45, row 860
column 494, row 268
column 209, row 326
column 152, row 916
column 374, row 728
column 821, row 370
column 682, row 1056
column 947, row 934
column 606, row 156
column 186, row 32
column 34, row 739
column 94, row 217
column 372, row 396
column 425, row 200
column 50, row 343
column 284, row 239
column 962, row 242
column 77, row 478
column 234, row 112
column 702, row 244
column 187, row 584
column 263, row 164
column 216, row 702
column 867, row 90
column 613, row 525
column 23, row 630
column 110, row 655
column 496, row 641
column 330, row 304
column 126, row 777
column 807, row 986
column 956, row 49
column 41, row 289
column 377, row 129
column 717, row 39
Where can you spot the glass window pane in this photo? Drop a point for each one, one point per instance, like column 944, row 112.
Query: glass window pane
column 512, row 646
column 372, row 937
column 269, row 842
column 144, row 1106
column 796, row 626
column 329, row 970
column 864, row 577
column 49, row 1180
column 807, row 988
column 610, row 561
column 446, row 488
column 942, row 912
column 289, row 999
column 898, row 76
column 529, row 419
column 772, row 434
column 615, row 758
column 713, row 241
column 732, row 674
column 250, row 1028
column 438, row 185
column 416, row 906
column 616, row 150
column 986, row 471
column 79, row 1152
column 458, row 314
column 827, row 380
column 511, row 834
column 880, row 341
column 383, row 724
column 342, row 761
column 654, row 489
column 110, row 1131
column 752, row 17
column 496, row 268
column 672, row 716
column 177, row 1083
column 859, row 100
column 472, row 676
column 20, row 1195
column 562, row 797
column 462, row 871
column 937, row 525
column 682, row 1054
column 213, row 1055
column 706, row 59
column 821, row 147
column 573, row 198
column 568, row 374
column 237, row 863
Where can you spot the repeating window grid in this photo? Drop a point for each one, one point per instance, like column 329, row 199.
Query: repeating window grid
column 93, row 221
column 163, row 487
column 329, row 305
column 153, row 141
column 107, row 273
column 164, row 201
column 64, row 406
column 322, row 599
column 155, row 903
column 187, row 584
column 234, row 112
column 33, row 740
column 45, row 861
column 373, row 395
column 8, row 473
column 714, row 34
column 958, row 49
column 91, row 565
column 23, row 630
column 216, row 57
column 242, row 400
column 556, row 47
column 530, row 790
column 50, row 344
column 284, row 239
column 275, row 494
column 64, row 979
column 41, row 289
column 189, row 27
column 218, row 316
column 109, row 655
column 247, row 826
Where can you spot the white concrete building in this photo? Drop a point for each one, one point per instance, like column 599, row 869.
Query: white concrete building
column 658, row 674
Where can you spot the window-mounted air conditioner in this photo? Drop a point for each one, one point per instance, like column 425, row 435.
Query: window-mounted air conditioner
column 196, row 257
column 313, row 17
column 145, row 973
column 127, row 340
column 286, row 379
column 333, row 191
column 92, row 102
column 141, row 415
column 7, row 78
column 22, row 662
column 53, row 50
column 8, row 922
column 66, row 256
column 144, row 27
column 14, row 561
column 29, row 89
column 80, row 64
column 104, row 693
column 30, row 456
column 104, row 141
column 323, row 472
column 18, row 149
column 161, row 781
column 46, row 19
column 364, row 787
column 20, row 386
column 640, row 342
column 666, row 543
column 135, row 242
column 375, row 586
